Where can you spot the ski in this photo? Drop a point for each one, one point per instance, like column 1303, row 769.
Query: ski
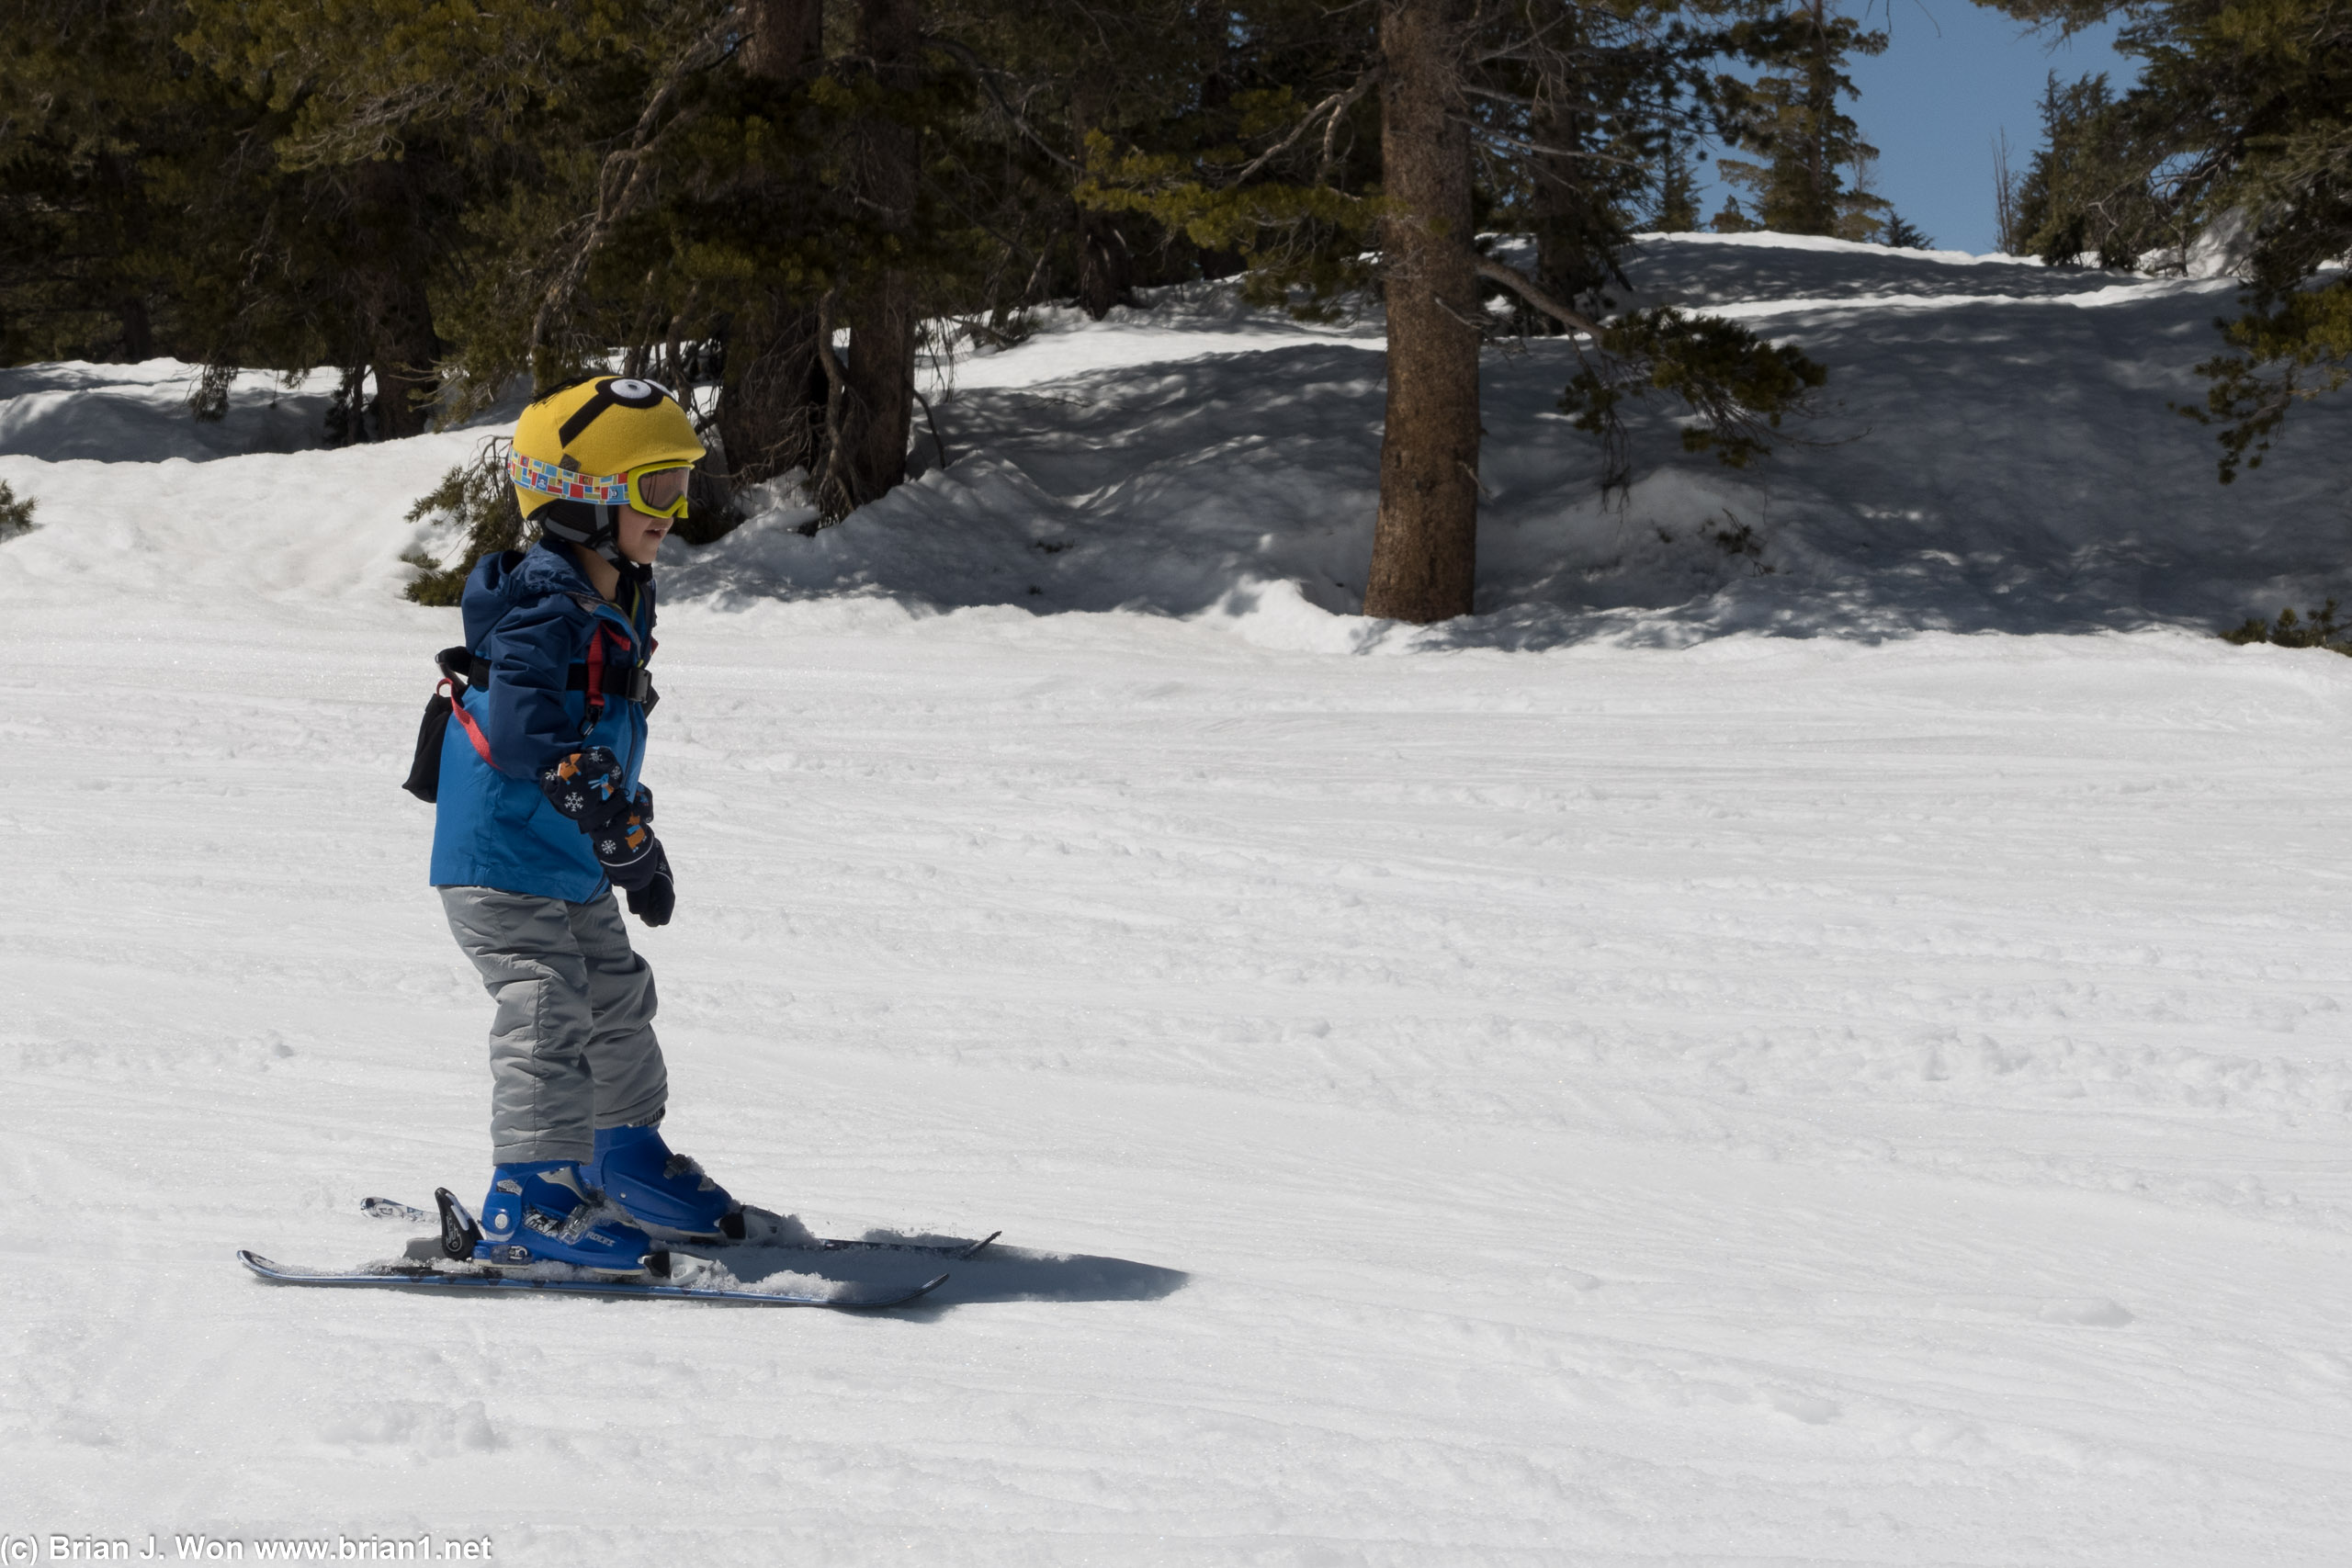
column 422, row 1276
column 393, row 1208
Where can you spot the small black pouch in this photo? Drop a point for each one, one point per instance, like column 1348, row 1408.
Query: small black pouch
column 424, row 778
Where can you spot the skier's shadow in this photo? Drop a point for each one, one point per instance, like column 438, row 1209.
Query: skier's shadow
column 998, row 1273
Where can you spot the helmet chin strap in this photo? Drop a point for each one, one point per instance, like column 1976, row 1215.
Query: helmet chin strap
column 604, row 537
column 606, row 540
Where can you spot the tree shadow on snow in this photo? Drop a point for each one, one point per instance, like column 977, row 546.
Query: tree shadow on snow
column 1997, row 451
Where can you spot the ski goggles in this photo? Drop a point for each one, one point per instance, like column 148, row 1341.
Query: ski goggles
column 657, row 490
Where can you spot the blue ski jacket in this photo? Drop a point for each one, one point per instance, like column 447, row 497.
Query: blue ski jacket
column 564, row 671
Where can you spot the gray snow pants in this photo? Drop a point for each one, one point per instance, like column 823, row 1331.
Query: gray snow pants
column 572, row 1046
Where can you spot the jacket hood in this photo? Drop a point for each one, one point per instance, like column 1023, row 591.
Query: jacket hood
column 511, row 580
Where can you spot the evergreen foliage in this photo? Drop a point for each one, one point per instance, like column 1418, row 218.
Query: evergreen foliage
column 2237, row 136
column 476, row 502
column 1791, row 116
column 2313, row 628
column 104, row 128
column 1601, row 102
column 2293, row 343
column 776, row 206
column 1733, row 218
column 16, row 513
column 2090, row 191
column 1902, row 234
column 1737, row 387
column 1676, row 210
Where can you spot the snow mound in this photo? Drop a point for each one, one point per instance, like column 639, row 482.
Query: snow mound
column 139, row 414
column 1998, row 451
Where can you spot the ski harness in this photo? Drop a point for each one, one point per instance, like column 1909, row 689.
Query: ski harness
column 611, row 672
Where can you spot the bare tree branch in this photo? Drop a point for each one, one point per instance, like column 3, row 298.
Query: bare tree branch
column 1521, row 145
column 1335, row 106
column 1331, row 126
column 622, row 182
column 931, row 418
column 832, row 488
column 988, row 74
column 1527, row 289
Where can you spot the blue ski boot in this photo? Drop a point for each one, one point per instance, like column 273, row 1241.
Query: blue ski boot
column 661, row 1191
column 548, row 1212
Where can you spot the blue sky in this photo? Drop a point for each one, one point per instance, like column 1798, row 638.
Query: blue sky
column 1954, row 76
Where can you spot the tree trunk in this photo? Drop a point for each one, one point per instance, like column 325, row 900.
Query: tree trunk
column 772, row 407
column 783, row 39
column 402, row 347
column 137, row 329
column 1571, row 219
column 1821, row 114
column 1216, row 93
column 771, row 410
column 393, row 254
column 1424, row 547
column 127, row 189
column 1106, row 269
column 880, row 376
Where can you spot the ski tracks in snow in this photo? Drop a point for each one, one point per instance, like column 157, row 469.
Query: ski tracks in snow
column 1768, row 1103
column 1782, row 1100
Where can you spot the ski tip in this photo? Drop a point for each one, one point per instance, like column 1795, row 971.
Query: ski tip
column 974, row 1250
column 255, row 1261
column 878, row 1304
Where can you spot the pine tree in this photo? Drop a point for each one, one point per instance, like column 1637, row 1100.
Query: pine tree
column 1424, row 548
column 1792, row 115
column 1733, row 218
column 2241, row 117
column 2090, row 191
column 102, row 112
column 1309, row 226
column 747, row 201
column 1676, row 208
column 1595, row 144
column 1902, row 234
column 447, row 197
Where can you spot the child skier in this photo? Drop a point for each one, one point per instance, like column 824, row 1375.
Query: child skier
column 541, row 816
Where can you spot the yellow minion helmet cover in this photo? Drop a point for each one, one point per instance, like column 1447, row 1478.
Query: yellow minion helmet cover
column 580, row 442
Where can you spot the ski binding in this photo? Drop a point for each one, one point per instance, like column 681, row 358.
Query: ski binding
column 763, row 1230
column 460, row 1268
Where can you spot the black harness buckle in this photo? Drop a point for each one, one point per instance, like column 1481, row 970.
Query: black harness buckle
column 636, row 684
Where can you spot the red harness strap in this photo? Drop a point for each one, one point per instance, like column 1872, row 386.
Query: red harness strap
column 596, row 640
column 473, row 731
column 596, row 671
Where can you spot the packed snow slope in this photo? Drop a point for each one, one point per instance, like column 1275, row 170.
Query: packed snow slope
column 1584, row 1091
column 1996, row 449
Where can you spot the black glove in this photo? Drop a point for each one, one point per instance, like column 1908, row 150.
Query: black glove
column 588, row 787
column 627, row 848
column 654, row 900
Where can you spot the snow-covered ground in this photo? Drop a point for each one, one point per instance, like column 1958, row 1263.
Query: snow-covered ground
column 1586, row 1088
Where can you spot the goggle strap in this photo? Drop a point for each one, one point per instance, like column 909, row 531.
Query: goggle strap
column 614, row 490
column 563, row 483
